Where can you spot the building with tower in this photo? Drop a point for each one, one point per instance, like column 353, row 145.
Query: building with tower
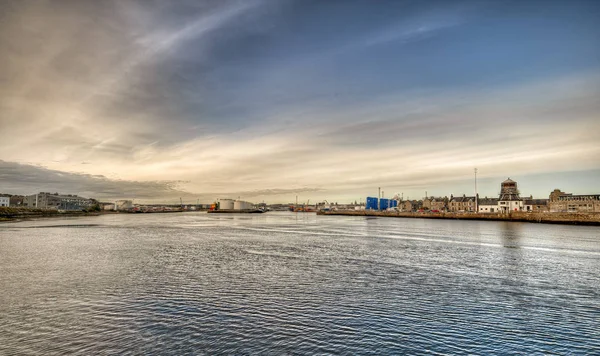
column 509, row 199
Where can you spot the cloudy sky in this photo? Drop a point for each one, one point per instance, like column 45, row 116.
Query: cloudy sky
column 269, row 99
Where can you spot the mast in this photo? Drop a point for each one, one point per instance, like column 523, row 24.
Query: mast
column 476, row 196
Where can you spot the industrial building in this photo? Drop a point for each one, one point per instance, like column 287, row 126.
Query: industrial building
column 44, row 200
column 562, row 202
column 380, row 204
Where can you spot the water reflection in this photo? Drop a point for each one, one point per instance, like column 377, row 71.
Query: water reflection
column 510, row 232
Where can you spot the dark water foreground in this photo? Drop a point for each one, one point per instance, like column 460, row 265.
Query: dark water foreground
column 282, row 283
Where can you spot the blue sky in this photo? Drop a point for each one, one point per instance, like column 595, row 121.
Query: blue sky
column 272, row 99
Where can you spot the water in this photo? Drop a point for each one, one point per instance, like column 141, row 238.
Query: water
column 285, row 283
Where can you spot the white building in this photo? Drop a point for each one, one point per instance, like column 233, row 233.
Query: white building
column 487, row 205
column 4, row 201
column 509, row 199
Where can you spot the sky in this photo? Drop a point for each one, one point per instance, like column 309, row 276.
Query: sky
column 267, row 100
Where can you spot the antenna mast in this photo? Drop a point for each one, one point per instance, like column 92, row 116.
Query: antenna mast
column 476, row 200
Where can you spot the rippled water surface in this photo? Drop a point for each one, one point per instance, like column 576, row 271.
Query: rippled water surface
column 277, row 283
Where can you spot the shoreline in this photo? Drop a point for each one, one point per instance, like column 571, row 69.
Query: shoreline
column 22, row 215
column 582, row 219
column 590, row 219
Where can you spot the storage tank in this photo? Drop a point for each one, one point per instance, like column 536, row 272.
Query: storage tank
column 242, row 205
column 226, row 204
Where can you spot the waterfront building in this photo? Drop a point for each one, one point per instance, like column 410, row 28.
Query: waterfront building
column 16, row 200
column 488, row 205
column 123, row 205
column 107, row 206
column 535, row 205
column 44, row 200
column 4, row 201
column 509, row 199
column 462, row 204
column 433, row 203
column 410, row 205
column 561, row 202
column 405, row 205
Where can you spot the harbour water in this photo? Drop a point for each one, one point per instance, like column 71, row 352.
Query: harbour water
column 297, row 283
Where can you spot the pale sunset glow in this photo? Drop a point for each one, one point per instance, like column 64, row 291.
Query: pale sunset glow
column 273, row 99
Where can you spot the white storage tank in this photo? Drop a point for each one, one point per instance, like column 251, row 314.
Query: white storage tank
column 242, row 205
column 226, row 204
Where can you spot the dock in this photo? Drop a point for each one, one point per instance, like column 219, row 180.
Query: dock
column 588, row 219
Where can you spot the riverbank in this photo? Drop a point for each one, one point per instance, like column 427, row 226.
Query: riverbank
column 589, row 219
column 16, row 214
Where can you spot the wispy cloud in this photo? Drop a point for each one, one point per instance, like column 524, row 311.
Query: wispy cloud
column 161, row 42
column 273, row 99
column 402, row 35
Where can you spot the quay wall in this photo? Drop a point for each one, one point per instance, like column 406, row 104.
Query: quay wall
column 591, row 219
column 11, row 213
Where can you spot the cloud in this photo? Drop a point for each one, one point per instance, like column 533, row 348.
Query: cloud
column 275, row 99
column 28, row 179
column 403, row 36
column 405, row 144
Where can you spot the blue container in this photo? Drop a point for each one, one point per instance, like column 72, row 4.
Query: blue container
column 384, row 204
column 393, row 203
column 372, row 204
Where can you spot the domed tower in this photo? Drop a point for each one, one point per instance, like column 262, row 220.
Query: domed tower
column 509, row 199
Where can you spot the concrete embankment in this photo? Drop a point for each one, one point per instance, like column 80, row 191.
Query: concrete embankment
column 590, row 219
column 12, row 214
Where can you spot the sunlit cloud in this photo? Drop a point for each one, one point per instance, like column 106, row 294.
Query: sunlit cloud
column 269, row 100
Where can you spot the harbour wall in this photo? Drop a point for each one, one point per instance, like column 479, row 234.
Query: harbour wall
column 12, row 214
column 590, row 219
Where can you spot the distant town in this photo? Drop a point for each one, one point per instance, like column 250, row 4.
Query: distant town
column 508, row 200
